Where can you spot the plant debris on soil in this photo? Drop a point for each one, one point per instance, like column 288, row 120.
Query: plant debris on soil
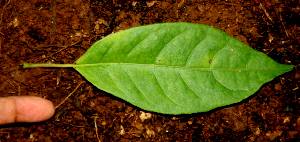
column 56, row 31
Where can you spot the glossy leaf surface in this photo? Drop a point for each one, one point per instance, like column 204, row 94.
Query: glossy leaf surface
column 177, row 68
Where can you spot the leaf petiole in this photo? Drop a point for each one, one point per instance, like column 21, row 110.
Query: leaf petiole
column 30, row 65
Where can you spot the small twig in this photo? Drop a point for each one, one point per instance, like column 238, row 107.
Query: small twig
column 96, row 128
column 3, row 11
column 18, row 85
column 70, row 94
column 64, row 47
column 280, row 18
column 265, row 10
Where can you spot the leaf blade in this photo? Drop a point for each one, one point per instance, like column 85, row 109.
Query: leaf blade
column 177, row 68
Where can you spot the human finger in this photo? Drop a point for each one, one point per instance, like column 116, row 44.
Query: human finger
column 25, row 109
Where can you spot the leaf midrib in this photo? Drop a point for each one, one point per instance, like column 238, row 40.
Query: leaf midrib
column 166, row 66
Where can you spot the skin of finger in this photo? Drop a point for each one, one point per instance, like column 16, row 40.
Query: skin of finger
column 25, row 109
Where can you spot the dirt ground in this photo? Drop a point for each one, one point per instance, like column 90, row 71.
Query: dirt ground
column 56, row 31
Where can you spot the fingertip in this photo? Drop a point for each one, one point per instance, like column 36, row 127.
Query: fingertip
column 33, row 109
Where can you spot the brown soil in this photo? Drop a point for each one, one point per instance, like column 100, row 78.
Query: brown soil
column 41, row 31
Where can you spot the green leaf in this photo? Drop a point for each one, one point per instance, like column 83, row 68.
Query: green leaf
column 176, row 68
